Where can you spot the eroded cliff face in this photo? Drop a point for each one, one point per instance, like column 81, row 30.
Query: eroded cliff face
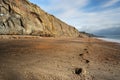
column 20, row 17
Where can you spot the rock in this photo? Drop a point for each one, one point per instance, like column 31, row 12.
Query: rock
column 20, row 17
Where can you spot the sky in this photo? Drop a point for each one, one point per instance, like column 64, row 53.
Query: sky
column 85, row 15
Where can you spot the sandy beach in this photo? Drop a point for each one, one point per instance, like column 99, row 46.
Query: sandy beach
column 41, row 58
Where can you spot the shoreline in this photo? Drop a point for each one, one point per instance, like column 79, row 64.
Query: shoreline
column 110, row 40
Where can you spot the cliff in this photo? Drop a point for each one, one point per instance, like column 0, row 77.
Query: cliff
column 20, row 17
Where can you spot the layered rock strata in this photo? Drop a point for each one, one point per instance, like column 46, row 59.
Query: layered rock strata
column 20, row 17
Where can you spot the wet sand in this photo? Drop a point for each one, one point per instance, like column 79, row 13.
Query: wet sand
column 37, row 58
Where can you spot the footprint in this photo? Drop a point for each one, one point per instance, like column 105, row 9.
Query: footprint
column 80, row 54
column 78, row 71
column 85, row 49
column 87, row 61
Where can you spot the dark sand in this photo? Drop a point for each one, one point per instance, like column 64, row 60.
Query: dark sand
column 58, row 59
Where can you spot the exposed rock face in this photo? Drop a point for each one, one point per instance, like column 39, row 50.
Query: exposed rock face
column 20, row 17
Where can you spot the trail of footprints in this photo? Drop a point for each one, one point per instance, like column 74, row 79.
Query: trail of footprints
column 82, row 56
column 85, row 75
column 83, row 60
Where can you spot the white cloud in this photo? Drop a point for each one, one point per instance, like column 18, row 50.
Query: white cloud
column 91, row 21
column 100, row 20
column 110, row 3
column 71, row 12
column 65, row 5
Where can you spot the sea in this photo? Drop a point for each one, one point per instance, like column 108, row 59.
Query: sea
column 111, row 38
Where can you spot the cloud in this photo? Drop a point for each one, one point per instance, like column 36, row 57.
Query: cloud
column 110, row 3
column 100, row 20
column 74, row 13
column 65, row 5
